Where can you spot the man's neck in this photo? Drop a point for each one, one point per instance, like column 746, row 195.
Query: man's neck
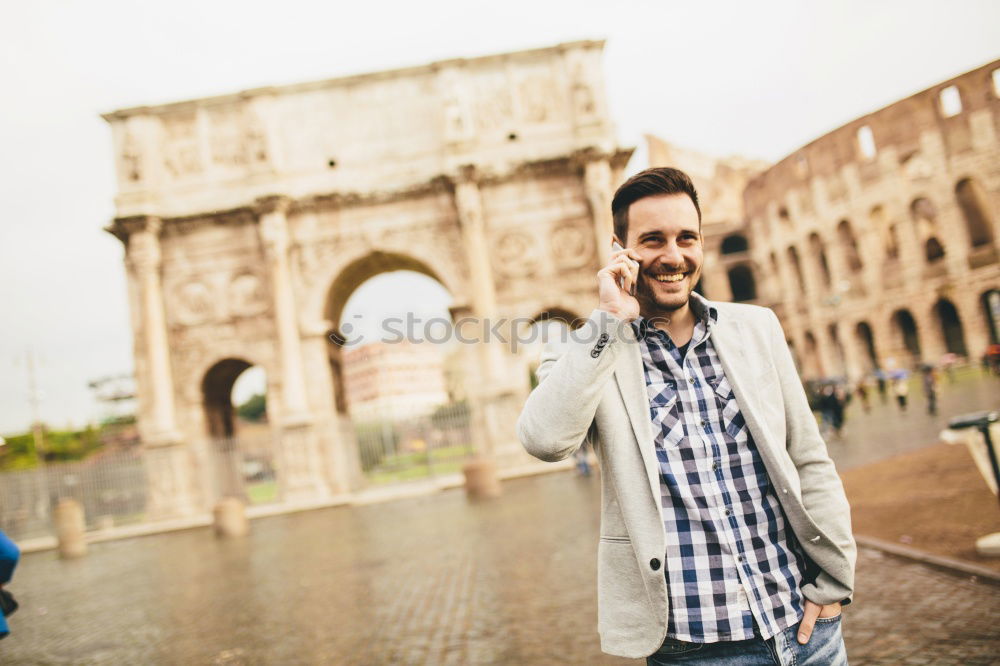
column 679, row 323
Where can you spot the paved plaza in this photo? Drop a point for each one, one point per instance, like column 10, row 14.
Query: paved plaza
column 432, row 580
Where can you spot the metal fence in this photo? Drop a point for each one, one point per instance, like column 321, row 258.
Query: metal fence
column 111, row 486
column 416, row 447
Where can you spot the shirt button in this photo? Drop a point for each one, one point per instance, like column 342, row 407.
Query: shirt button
column 704, row 422
column 690, row 380
column 728, row 512
column 654, row 564
column 739, row 558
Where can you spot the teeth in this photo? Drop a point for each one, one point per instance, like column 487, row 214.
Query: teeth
column 675, row 277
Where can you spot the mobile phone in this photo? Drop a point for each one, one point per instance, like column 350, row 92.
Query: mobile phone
column 616, row 246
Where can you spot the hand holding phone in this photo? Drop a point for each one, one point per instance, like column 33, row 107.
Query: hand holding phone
column 616, row 246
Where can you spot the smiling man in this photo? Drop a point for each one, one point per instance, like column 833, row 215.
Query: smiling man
column 725, row 532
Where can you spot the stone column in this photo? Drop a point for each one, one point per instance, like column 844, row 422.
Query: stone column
column 144, row 259
column 300, row 461
column 487, row 392
column 597, row 186
column 468, row 202
column 274, row 234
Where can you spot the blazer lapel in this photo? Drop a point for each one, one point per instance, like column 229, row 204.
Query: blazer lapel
column 632, row 385
column 730, row 346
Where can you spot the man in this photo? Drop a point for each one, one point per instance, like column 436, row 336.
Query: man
column 725, row 533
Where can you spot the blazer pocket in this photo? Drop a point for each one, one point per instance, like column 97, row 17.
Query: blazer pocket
column 615, row 539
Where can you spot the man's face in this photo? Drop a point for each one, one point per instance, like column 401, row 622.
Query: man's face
column 664, row 230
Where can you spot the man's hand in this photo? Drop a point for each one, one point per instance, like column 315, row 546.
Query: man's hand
column 619, row 300
column 813, row 611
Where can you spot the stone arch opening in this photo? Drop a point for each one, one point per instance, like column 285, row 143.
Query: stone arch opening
column 975, row 209
column 933, row 250
column 951, row 327
column 793, row 259
column 734, row 244
column 811, row 367
column 343, row 286
column 398, row 376
column 564, row 315
column 863, row 332
column 906, row 328
column 742, row 283
column 838, row 348
column 849, row 246
column 818, row 250
column 990, row 300
column 238, row 459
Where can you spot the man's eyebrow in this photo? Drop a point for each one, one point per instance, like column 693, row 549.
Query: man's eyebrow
column 648, row 234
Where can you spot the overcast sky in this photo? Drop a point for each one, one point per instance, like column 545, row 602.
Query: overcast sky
column 759, row 79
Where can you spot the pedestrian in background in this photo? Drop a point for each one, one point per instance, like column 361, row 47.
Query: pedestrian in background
column 901, row 389
column 862, row 392
column 930, row 383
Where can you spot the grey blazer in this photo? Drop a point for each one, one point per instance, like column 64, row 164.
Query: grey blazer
column 594, row 385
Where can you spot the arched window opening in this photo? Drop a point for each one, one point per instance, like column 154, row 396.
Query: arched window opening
column 793, row 259
column 950, row 101
column 866, row 142
column 975, row 209
column 849, row 246
column 933, row 250
column 907, row 327
column 863, row 331
column 819, row 254
column 742, row 283
column 735, row 244
column 951, row 327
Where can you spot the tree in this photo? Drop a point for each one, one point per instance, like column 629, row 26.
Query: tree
column 254, row 409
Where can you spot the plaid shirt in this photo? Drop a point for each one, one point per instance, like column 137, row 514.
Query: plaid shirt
column 731, row 561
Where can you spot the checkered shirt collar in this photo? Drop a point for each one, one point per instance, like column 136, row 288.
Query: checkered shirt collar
column 707, row 314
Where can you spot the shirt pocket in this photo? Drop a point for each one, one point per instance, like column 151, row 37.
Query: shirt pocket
column 664, row 410
column 729, row 408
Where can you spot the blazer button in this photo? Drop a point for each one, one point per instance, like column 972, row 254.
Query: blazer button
column 654, row 564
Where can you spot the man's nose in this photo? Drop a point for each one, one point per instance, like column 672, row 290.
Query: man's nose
column 671, row 255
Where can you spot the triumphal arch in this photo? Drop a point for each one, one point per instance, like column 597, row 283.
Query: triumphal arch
column 248, row 219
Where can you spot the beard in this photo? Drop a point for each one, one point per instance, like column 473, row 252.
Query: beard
column 655, row 302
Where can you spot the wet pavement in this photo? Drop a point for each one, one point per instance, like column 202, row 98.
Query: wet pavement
column 887, row 431
column 432, row 580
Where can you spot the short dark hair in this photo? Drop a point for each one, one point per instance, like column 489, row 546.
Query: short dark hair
column 650, row 183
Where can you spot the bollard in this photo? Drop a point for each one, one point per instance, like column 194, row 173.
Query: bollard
column 70, row 528
column 230, row 518
column 481, row 480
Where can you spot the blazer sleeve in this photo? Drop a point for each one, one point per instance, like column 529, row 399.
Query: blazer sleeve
column 823, row 494
column 559, row 412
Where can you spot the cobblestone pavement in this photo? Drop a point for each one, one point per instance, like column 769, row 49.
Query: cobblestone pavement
column 434, row 580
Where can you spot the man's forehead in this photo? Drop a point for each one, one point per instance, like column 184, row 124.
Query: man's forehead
column 666, row 212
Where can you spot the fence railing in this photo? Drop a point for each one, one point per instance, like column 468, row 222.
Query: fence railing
column 113, row 485
column 415, row 447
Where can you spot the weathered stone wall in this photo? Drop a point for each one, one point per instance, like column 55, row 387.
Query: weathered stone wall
column 867, row 209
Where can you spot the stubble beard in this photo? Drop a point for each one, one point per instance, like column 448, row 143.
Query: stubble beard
column 654, row 309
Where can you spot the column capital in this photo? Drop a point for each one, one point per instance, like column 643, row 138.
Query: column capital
column 466, row 174
column 142, row 248
column 272, row 203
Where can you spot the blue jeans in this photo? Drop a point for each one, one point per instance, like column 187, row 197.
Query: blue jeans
column 825, row 648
